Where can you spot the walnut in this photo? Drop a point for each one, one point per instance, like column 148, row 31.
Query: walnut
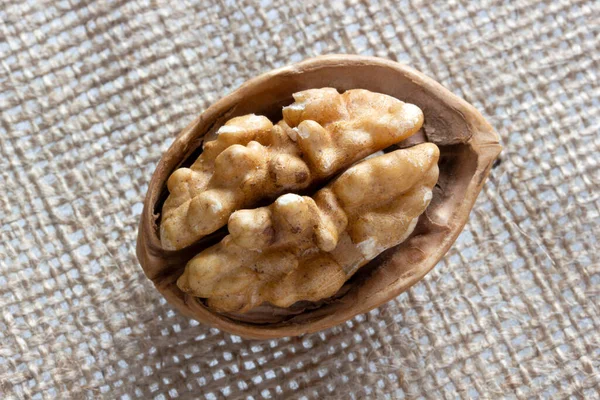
column 321, row 225
column 285, row 252
column 251, row 160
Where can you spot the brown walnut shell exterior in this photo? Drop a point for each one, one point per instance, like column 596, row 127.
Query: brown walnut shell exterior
column 468, row 146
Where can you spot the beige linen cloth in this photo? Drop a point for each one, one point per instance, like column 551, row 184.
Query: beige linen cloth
column 91, row 94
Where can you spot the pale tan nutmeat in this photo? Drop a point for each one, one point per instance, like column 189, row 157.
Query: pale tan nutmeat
column 305, row 248
column 322, row 133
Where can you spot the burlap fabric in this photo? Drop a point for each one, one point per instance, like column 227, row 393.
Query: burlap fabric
column 91, row 93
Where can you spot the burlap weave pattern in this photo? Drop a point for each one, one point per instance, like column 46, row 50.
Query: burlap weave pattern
column 92, row 92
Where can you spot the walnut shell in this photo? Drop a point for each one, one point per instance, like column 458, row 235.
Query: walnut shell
column 468, row 147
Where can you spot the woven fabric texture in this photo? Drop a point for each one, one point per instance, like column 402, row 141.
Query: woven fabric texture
column 91, row 94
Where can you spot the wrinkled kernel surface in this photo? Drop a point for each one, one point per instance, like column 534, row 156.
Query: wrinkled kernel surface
column 305, row 248
column 252, row 160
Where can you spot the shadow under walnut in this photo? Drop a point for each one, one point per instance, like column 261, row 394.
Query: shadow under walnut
column 468, row 147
